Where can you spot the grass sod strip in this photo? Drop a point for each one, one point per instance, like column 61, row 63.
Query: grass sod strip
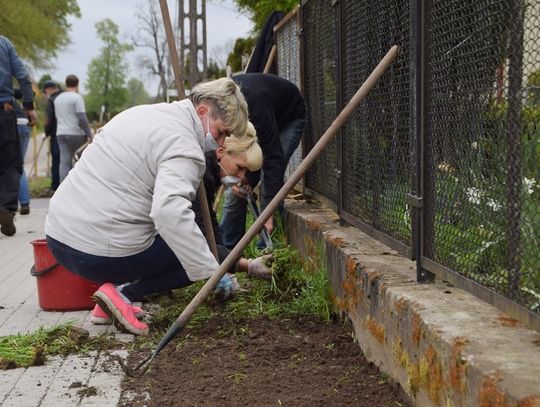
column 34, row 349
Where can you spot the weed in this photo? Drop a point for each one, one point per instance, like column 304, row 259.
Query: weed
column 237, row 377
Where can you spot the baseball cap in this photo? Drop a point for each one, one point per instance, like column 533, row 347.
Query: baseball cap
column 49, row 84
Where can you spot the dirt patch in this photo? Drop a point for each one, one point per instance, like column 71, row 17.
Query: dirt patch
column 262, row 362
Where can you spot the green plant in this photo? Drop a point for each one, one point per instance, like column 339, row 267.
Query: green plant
column 39, row 187
column 33, row 349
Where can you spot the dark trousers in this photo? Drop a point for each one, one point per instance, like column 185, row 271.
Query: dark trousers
column 11, row 163
column 55, row 163
column 155, row 270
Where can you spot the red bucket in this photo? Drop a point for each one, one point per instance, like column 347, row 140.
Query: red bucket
column 58, row 288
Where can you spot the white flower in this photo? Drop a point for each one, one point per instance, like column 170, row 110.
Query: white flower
column 493, row 204
column 473, row 194
column 529, row 184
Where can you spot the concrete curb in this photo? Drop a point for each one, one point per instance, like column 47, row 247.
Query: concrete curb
column 443, row 345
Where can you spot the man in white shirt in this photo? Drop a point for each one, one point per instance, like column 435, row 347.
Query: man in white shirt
column 73, row 129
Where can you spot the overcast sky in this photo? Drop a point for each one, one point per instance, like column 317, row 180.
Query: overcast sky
column 223, row 23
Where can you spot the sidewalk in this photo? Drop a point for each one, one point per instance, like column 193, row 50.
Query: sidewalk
column 77, row 380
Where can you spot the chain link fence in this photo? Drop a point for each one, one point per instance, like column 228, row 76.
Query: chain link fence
column 441, row 161
column 319, row 47
column 482, row 212
column 287, row 36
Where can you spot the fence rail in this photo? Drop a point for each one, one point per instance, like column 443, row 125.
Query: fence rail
column 441, row 161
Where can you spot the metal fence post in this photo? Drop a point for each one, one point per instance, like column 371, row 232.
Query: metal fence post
column 513, row 136
column 339, row 105
column 415, row 198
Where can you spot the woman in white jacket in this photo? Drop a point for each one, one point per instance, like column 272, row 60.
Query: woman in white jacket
column 124, row 211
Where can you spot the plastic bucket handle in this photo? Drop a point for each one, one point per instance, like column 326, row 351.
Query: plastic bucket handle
column 36, row 273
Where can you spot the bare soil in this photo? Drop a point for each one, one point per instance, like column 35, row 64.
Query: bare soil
column 262, row 362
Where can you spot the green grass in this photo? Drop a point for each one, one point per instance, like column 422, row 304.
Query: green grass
column 297, row 289
column 34, row 349
column 39, row 187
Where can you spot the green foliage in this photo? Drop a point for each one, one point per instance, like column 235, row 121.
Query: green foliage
column 297, row 289
column 33, row 349
column 40, row 186
column 242, row 47
column 107, row 72
column 37, row 28
column 137, row 94
column 259, row 10
column 214, row 71
column 533, row 84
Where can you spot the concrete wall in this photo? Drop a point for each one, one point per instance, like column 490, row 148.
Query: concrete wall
column 444, row 346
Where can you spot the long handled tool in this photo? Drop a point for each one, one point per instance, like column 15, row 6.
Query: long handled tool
column 179, row 82
column 34, row 168
column 184, row 317
column 252, row 204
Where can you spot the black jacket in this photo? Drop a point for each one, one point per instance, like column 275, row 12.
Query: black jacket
column 212, row 182
column 50, row 123
column 273, row 103
column 264, row 44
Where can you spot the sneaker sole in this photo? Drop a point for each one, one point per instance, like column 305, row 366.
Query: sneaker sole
column 119, row 322
column 108, row 320
column 6, row 221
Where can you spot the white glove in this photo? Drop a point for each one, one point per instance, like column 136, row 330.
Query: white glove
column 258, row 267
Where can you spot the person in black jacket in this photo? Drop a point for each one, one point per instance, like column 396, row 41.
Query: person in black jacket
column 217, row 163
column 51, row 90
column 278, row 112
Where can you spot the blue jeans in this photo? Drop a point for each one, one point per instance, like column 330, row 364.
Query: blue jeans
column 233, row 220
column 68, row 145
column 24, row 137
column 155, row 270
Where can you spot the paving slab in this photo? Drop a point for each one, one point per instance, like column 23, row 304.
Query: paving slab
column 76, row 380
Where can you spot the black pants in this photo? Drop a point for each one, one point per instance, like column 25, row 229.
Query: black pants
column 11, row 163
column 55, row 163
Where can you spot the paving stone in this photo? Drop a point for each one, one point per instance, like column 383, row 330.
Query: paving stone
column 64, row 382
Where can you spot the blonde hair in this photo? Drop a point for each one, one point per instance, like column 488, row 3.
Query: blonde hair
column 227, row 98
column 246, row 145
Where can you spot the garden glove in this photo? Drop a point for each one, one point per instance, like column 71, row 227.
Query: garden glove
column 258, row 267
column 226, row 287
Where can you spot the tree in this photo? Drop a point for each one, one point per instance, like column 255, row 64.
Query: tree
column 214, row 71
column 259, row 10
column 37, row 28
column 137, row 95
column 107, row 72
column 242, row 48
column 150, row 34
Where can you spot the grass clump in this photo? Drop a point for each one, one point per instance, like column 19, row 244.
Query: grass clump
column 297, row 288
column 33, row 349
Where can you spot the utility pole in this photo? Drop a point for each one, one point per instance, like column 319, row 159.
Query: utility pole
column 192, row 29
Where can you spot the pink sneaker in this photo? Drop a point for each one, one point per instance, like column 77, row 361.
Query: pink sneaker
column 100, row 317
column 123, row 317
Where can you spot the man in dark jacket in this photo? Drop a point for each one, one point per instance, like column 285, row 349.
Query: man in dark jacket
column 278, row 112
column 11, row 163
column 51, row 89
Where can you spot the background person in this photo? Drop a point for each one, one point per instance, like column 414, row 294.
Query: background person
column 52, row 90
column 24, row 131
column 278, row 112
column 124, row 213
column 221, row 164
column 11, row 164
column 73, row 129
